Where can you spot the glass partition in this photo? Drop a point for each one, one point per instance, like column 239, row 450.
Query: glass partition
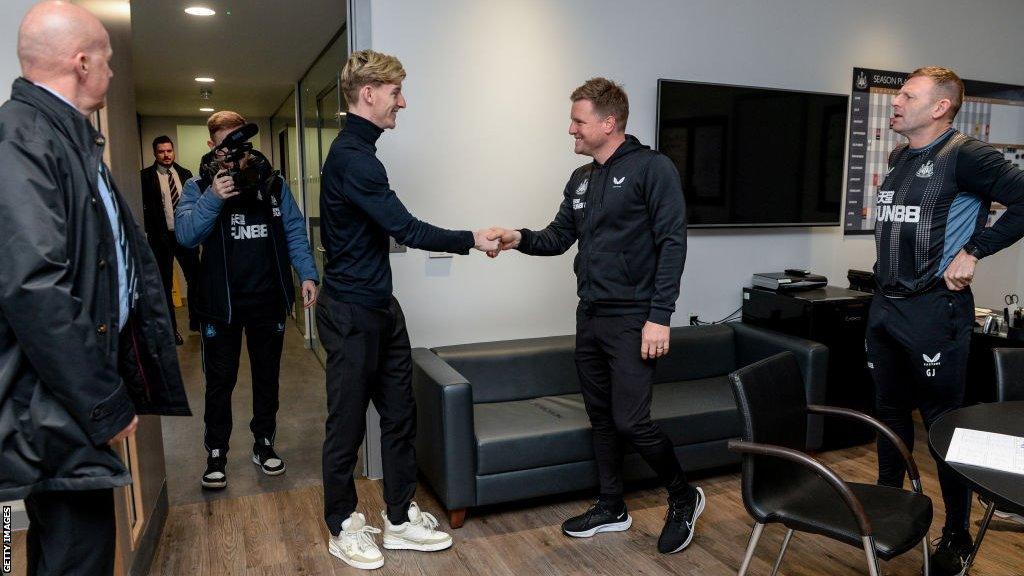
column 322, row 115
column 284, row 154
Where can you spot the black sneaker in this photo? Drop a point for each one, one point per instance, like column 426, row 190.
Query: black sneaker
column 601, row 517
column 263, row 455
column 951, row 552
column 680, row 522
column 214, row 478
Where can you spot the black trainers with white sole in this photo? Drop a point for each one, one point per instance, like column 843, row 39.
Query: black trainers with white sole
column 601, row 517
column 951, row 553
column 263, row 455
column 215, row 478
column 680, row 522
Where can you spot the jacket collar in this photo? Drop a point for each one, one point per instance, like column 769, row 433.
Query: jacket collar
column 363, row 129
column 72, row 123
column 628, row 146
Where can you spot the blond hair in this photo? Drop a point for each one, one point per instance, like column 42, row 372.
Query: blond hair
column 367, row 67
column 224, row 119
column 608, row 98
column 947, row 85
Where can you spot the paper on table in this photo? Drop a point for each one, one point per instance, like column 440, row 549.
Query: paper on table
column 987, row 449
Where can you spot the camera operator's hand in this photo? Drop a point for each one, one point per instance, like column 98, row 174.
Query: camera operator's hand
column 224, row 185
column 308, row 293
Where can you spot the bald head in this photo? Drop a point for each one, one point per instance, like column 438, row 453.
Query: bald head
column 52, row 34
column 67, row 49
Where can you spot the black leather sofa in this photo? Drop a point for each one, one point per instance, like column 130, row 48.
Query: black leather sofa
column 504, row 421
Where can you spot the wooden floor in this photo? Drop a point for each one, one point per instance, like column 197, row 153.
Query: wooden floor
column 282, row 533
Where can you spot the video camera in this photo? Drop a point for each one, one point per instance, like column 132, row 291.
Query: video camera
column 234, row 149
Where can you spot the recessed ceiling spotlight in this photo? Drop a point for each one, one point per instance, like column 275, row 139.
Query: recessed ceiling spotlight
column 206, row 109
column 199, row 11
column 204, row 79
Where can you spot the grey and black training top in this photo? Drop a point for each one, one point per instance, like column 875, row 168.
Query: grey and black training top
column 934, row 201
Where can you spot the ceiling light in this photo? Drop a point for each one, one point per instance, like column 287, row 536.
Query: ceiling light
column 206, row 109
column 204, row 79
column 199, row 11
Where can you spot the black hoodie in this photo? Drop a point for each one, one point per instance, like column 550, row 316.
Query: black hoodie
column 629, row 216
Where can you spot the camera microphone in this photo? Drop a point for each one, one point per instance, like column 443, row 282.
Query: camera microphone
column 239, row 135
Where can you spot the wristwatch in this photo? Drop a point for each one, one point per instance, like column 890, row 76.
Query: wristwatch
column 972, row 250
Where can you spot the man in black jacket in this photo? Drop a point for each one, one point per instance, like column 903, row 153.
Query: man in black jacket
column 161, row 191
column 85, row 343
column 361, row 324
column 627, row 211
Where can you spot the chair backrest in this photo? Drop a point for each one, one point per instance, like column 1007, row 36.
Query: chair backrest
column 698, row 352
column 773, row 408
column 1009, row 373
column 515, row 369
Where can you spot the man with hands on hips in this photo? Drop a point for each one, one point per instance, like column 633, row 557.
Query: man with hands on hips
column 627, row 211
column 930, row 231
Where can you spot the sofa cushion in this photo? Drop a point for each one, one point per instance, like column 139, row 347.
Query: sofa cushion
column 698, row 352
column 696, row 410
column 526, row 434
column 515, row 369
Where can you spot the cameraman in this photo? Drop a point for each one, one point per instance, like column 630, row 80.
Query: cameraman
column 243, row 215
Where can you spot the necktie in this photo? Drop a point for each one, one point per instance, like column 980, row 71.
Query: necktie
column 175, row 195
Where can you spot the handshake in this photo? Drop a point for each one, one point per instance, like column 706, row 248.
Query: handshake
column 495, row 239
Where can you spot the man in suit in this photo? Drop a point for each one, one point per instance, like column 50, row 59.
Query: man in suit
column 161, row 191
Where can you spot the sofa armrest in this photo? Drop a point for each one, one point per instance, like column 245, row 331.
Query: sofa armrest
column 445, row 438
column 754, row 343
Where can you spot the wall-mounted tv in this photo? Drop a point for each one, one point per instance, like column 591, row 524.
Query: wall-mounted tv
column 754, row 156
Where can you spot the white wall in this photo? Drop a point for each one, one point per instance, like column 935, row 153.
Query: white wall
column 11, row 13
column 484, row 138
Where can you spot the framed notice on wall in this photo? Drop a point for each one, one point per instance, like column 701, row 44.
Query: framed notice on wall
column 991, row 112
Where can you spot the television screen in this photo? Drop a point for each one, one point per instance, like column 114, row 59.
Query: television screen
column 754, row 156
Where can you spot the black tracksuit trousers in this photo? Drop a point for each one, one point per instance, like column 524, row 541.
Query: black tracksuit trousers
column 616, row 385
column 368, row 358
column 917, row 354
column 222, row 347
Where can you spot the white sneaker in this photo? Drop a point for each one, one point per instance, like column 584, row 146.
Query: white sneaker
column 417, row 534
column 355, row 545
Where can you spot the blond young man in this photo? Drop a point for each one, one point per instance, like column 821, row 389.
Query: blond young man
column 361, row 323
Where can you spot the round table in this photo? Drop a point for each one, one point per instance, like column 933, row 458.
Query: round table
column 1003, row 488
